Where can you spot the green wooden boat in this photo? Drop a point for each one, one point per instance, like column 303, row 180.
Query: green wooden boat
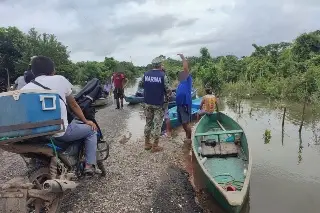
column 222, row 160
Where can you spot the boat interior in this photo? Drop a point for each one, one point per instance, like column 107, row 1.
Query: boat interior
column 222, row 148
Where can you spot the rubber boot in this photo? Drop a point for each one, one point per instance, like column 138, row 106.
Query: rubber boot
column 156, row 147
column 118, row 103
column 147, row 144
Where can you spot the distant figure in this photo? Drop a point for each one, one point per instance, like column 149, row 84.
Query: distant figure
column 156, row 90
column 139, row 92
column 19, row 83
column 29, row 75
column 107, row 88
column 119, row 81
column 184, row 99
column 208, row 104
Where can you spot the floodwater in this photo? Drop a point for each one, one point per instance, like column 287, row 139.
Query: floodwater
column 285, row 175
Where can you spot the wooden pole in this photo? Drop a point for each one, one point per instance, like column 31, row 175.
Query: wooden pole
column 283, row 119
column 283, row 116
column 303, row 112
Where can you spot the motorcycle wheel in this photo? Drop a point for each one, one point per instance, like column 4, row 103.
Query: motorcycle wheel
column 103, row 145
column 102, row 168
column 38, row 177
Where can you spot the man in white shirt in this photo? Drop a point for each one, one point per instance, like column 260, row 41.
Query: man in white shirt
column 43, row 69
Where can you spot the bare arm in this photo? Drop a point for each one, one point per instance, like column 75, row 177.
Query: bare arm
column 78, row 112
column 184, row 63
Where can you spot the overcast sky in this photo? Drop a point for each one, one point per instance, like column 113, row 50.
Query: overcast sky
column 144, row 29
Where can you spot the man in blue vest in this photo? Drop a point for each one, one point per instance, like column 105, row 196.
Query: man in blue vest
column 184, row 99
column 156, row 91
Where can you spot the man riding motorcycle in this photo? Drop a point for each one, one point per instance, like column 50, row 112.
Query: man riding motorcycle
column 43, row 69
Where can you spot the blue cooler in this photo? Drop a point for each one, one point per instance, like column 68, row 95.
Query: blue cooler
column 29, row 113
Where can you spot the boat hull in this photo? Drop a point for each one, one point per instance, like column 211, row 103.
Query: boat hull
column 201, row 181
column 100, row 102
column 173, row 103
column 133, row 99
column 174, row 122
column 203, row 178
column 136, row 100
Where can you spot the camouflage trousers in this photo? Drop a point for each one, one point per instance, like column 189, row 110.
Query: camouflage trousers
column 154, row 120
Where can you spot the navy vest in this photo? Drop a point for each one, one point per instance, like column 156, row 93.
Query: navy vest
column 154, row 90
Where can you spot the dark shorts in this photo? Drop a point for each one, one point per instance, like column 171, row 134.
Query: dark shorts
column 118, row 93
column 184, row 114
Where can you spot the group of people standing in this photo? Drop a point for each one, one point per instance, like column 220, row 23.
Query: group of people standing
column 157, row 93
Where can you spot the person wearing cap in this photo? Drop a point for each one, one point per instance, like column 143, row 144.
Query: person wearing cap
column 27, row 76
column 156, row 92
column 208, row 104
column 184, row 98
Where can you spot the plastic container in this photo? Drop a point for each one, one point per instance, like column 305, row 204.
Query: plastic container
column 29, row 112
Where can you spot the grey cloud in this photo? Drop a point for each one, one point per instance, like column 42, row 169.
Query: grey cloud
column 188, row 22
column 99, row 41
column 96, row 31
column 257, row 22
column 87, row 5
column 201, row 41
column 144, row 25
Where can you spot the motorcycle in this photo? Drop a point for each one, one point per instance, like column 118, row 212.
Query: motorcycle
column 55, row 167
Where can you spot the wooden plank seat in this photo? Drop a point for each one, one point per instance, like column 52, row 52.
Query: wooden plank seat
column 219, row 132
column 223, row 149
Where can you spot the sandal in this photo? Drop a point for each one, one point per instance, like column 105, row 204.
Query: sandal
column 89, row 171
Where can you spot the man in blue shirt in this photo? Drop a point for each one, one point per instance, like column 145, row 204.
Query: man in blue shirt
column 184, row 99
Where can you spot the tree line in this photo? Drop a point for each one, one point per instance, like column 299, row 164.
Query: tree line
column 285, row 70
column 17, row 47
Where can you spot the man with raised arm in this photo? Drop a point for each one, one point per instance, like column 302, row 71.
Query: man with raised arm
column 184, row 99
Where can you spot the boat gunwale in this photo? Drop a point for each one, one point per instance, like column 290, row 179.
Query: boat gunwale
column 232, row 197
column 194, row 92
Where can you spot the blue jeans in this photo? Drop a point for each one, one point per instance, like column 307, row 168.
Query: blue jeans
column 76, row 131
